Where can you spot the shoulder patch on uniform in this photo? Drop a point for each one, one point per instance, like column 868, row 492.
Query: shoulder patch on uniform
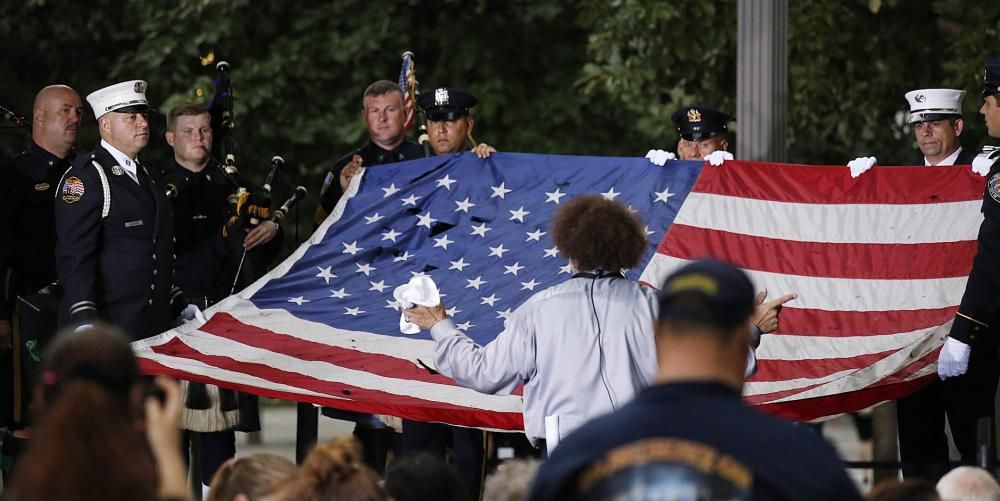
column 72, row 190
column 993, row 186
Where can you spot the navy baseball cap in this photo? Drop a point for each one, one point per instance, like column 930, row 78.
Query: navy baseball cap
column 709, row 292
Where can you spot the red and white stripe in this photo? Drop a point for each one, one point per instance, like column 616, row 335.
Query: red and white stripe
column 272, row 353
column 879, row 264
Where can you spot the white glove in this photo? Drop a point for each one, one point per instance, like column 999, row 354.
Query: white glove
column 660, row 157
column 981, row 164
column 420, row 290
column 717, row 157
column 861, row 165
column 954, row 358
column 192, row 312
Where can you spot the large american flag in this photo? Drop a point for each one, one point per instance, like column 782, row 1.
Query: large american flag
column 879, row 264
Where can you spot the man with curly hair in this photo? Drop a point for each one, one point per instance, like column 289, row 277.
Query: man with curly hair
column 581, row 348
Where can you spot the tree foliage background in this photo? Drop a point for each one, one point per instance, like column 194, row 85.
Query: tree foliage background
column 594, row 77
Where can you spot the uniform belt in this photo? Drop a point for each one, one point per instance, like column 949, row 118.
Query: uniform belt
column 202, row 302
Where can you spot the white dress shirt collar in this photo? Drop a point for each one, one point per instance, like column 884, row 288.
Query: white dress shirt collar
column 129, row 164
column 950, row 160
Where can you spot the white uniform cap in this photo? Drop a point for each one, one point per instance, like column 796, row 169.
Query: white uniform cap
column 123, row 97
column 934, row 104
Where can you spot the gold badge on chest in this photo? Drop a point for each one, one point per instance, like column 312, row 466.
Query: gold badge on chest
column 117, row 170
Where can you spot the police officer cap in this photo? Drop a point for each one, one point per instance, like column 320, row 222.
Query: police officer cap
column 124, row 97
column 708, row 292
column 934, row 104
column 991, row 77
column 446, row 104
column 696, row 123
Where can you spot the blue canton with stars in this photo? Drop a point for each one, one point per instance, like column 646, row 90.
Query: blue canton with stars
column 478, row 227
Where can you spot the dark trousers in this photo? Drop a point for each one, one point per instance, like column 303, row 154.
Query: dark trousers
column 376, row 443
column 923, row 445
column 467, row 446
column 215, row 447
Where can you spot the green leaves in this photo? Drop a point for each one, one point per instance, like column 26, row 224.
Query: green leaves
column 850, row 63
column 554, row 76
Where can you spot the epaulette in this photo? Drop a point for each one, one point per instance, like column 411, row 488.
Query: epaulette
column 346, row 158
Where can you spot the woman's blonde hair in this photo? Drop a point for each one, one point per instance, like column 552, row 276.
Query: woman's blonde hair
column 253, row 476
column 333, row 470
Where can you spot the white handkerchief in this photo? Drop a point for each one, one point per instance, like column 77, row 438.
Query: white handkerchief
column 420, row 290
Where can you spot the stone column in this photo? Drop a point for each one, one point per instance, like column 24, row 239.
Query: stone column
column 762, row 80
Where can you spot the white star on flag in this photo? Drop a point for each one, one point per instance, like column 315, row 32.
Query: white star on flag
column 378, row 286
column 326, row 273
column 552, row 252
column 530, row 285
column 475, row 283
column 353, row 311
column 373, row 218
column 298, row 300
column 649, row 232
column 446, row 182
column 498, row 250
column 402, row 257
column 480, row 230
column 426, row 220
column 663, row 196
column 458, row 265
column 391, row 235
column 505, row 314
column 410, row 200
column 464, row 205
column 443, row 242
column 513, row 269
column 365, row 268
column 492, row 298
column 554, row 196
column 610, row 194
column 535, row 235
column 351, row 248
column 391, row 190
column 392, row 304
column 518, row 215
column 464, row 326
column 500, row 191
column 566, row 269
column 340, row 293
column 451, row 312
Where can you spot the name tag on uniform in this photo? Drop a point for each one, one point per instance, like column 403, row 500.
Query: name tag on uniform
column 132, row 224
column 197, row 217
column 41, row 186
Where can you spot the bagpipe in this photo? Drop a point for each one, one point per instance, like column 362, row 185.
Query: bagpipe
column 248, row 204
column 15, row 121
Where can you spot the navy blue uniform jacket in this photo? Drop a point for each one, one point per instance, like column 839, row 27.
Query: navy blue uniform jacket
column 114, row 250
